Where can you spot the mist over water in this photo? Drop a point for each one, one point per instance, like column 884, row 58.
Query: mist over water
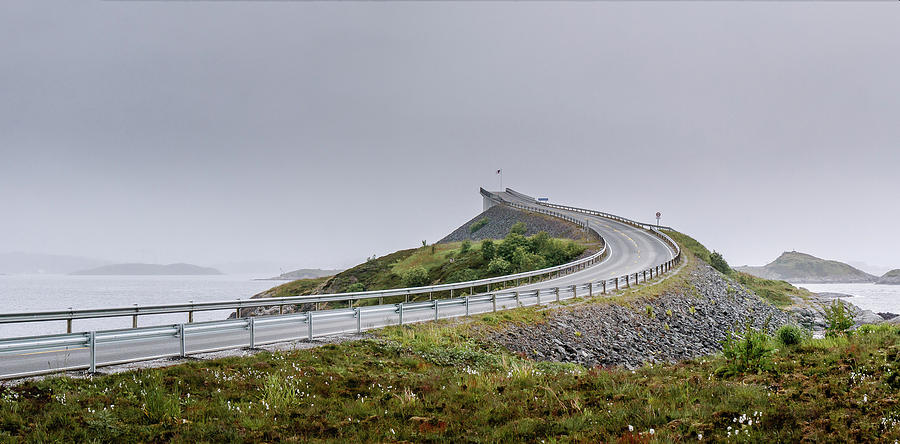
column 878, row 298
column 59, row 292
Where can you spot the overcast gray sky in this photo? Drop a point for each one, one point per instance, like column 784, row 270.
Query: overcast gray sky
column 316, row 134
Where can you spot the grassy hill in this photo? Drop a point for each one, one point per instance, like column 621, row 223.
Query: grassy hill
column 778, row 292
column 890, row 278
column 799, row 267
column 444, row 263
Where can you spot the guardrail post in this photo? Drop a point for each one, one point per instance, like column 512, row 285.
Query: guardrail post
column 590, row 289
column 358, row 320
column 557, row 294
column 252, row 332
column 627, row 281
column 430, row 294
column 349, row 303
column 133, row 318
column 191, row 314
column 309, row 325
column 407, row 297
column 281, row 309
column 401, row 313
column 645, row 275
column 494, row 301
column 435, row 310
column 467, row 306
column 517, row 298
column 93, row 346
column 538, row 294
column 604, row 286
column 69, row 321
column 380, row 300
column 182, row 340
column 617, row 283
column 574, row 291
column 451, row 293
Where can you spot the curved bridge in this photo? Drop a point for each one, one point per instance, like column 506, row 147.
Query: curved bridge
column 633, row 253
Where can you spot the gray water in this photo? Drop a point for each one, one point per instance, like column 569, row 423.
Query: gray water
column 20, row 293
column 878, row 298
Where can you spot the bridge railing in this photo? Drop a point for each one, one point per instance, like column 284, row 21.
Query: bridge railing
column 90, row 350
column 189, row 308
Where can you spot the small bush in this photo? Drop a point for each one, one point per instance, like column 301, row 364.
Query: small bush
column 718, row 262
column 415, row 277
column 478, row 225
column 790, row 335
column 518, row 228
column 838, row 319
column 355, row 287
column 465, row 247
column 499, row 266
column 487, row 250
column 750, row 352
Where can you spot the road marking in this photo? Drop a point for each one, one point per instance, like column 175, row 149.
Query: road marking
column 52, row 351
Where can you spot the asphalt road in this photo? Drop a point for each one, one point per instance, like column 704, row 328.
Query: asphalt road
column 631, row 250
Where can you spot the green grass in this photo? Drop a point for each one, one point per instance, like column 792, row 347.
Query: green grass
column 778, row 293
column 444, row 263
column 443, row 383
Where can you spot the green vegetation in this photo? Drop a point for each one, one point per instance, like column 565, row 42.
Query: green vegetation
column 778, row 293
column 718, row 262
column 838, row 319
column 789, row 335
column 445, row 383
column 745, row 353
column 518, row 228
column 478, row 225
column 443, row 263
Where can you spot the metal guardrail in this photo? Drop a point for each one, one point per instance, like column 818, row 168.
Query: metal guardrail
column 191, row 307
column 86, row 350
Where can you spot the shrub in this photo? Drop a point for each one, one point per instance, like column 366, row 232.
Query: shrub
column 466, row 274
column 478, row 225
column 518, row 228
column 718, row 262
column 415, row 277
column 355, row 287
column 523, row 260
column 499, row 266
column 790, row 335
column 487, row 250
column 510, row 243
column 465, row 247
column 750, row 352
column 838, row 319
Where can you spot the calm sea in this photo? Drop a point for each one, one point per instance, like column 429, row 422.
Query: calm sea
column 58, row 292
column 878, row 298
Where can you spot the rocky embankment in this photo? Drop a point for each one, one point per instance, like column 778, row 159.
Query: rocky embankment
column 811, row 312
column 680, row 324
column 501, row 218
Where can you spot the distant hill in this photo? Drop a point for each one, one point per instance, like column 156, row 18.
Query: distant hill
column 149, row 269
column 890, row 278
column 32, row 263
column 793, row 266
column 305, row 273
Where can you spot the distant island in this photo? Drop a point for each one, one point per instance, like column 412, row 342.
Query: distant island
column 802, row 268
column 890, row 278
column 149, row 270
column 304, row 273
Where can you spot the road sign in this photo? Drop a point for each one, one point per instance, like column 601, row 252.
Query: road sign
column 658, row 215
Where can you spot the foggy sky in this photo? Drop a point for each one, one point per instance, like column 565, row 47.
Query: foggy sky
column 316, row 134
